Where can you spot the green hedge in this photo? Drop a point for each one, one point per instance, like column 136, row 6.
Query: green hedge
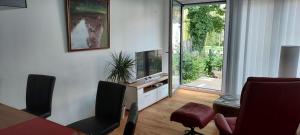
column 196, row 66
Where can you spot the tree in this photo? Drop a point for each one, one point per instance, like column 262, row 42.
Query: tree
column 203, row 20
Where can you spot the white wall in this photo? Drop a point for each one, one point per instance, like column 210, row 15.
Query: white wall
column 33, row 40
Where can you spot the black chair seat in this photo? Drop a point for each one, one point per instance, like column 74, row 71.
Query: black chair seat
column 40, row 114
column 95, row 126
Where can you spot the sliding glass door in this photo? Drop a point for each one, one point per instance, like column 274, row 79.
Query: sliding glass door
column 175, row 48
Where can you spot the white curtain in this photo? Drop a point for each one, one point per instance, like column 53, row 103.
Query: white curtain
column 258, row 29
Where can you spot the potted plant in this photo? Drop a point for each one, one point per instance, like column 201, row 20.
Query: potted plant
column 120, row 68
column 120, row 71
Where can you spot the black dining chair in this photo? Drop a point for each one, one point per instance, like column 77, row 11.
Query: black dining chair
column 39, row 93
column 132, row 120
column 109, row 102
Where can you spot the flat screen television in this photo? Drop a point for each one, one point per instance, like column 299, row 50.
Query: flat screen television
column 148, row 63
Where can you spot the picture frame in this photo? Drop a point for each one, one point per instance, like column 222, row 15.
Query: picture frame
column 88, row 24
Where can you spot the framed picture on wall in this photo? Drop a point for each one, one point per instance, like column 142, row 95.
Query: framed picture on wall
column 88, row 24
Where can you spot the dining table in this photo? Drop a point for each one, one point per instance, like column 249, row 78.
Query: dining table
column 17, row 122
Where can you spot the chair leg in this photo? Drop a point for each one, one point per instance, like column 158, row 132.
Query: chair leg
column 192, row 132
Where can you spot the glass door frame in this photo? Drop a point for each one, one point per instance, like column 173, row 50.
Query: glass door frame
column 226, row 41
column 170, row 65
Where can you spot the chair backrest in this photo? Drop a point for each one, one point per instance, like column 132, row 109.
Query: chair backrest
column 269, row 108
column 109, row 101
column 265, row 79
column 132, row 120
column 39, row 93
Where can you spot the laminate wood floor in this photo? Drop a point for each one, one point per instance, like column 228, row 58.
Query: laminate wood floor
column 155, row 120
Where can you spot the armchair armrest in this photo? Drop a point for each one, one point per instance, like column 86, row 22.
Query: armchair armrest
column 223, row 125
column 298, row 130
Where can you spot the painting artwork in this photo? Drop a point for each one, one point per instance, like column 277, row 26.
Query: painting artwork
column 88, row 24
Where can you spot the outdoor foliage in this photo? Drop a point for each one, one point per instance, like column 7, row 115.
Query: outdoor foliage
column 209, row 64
column 193, row 67
column 204, row 27
column 203, row 20
column 218, row 62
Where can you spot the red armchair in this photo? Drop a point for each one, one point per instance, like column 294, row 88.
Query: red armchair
column 269, row 106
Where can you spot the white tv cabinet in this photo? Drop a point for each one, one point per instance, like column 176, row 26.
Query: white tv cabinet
column 147, row 93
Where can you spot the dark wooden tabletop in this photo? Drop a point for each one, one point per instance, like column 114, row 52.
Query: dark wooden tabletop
column 10, row 116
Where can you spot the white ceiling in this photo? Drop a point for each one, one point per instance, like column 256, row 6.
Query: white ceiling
column 198, row 1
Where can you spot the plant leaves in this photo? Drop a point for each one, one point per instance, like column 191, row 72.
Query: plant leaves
column 120, row 69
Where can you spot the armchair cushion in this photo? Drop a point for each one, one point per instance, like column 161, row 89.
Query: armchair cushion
column 231, row 122
column 225, row 125
column 298, row 130
column 265, row 79
column 193, row 115
column 270, row 108
column 268, row 105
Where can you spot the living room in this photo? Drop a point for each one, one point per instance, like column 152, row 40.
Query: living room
column 46, row 37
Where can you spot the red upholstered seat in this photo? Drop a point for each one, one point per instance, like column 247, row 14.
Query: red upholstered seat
column 226, row 125
column 269, row 106
column 193, row 115
column 231, row 122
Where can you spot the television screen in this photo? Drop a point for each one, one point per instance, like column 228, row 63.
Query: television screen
column 148, row 63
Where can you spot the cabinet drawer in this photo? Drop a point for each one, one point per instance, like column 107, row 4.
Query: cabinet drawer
column 162, row 92
column 147, row 99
